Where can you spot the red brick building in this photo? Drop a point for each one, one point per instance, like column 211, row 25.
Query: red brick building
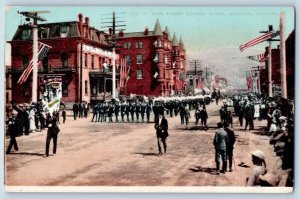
column 81, row 55
column 156, row 61
column 76, row 47
column 276, row 75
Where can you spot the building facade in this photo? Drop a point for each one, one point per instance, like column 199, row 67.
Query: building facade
column 79, row 54
column 276, row 74
column 155, row 61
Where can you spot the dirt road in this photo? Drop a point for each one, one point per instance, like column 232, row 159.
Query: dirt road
column 98, row 154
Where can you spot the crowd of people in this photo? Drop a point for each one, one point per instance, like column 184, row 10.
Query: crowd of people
column 248, row 107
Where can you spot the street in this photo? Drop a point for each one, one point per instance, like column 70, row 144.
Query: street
column 126, row 154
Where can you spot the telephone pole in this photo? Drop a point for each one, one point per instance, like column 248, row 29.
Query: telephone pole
column 34, row 16
column 112, row 40
column 282, row 56
column 196, row 65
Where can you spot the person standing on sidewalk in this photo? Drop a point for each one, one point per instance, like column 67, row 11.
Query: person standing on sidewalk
column 13, row 126
column 64, row 114
column 52, row 133
column 220, row 143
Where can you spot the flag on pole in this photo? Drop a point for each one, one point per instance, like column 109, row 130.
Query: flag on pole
column 42, row 53
column 259, row 58
column 253, row 42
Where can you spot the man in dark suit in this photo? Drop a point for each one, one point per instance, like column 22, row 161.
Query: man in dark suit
column 162, row 134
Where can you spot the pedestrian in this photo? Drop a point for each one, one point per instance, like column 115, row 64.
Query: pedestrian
column 187, row 115
column 229, row 146
column 197, row 115
column 137, row 111
column 148, row 111
column 13, row 126
column 143, row 109
column 162, row 134
column 75, row 110
column 132, row 110
column 26, row 122
column 95, row 113
column 258, row 159
column 64, row 115
column 203, row 117
column 123, row 109
column 117, row 110
column 52, row 133
column 220, row 143
column 182, row 114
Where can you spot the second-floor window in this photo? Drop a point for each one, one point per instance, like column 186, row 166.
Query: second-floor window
column 64, row 59
column 128, row 60
column 26, row 34
column 139, row 59
column 92, row 61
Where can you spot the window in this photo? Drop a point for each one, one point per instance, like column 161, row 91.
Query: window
column 129, row 45
column 85, row 59
column 156, row 58
column 44, row 33
column 125, row 46
column 64, row 59
column 140, row 73
column 138, row 44
column 166, row 59
column 25, row 61
column 128, row 60
column 191, row 82
column 92, row 61
column 63, row 29
column 139, row 59
column 86, row 87
column 26, row 34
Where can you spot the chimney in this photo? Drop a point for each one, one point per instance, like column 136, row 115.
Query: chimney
column 80, row 23
column 87, row 23
column 121, row 34
column 146, row 32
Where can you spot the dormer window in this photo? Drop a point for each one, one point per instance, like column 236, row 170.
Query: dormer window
column 26, row 34
column 64, row 30
column 44, row 33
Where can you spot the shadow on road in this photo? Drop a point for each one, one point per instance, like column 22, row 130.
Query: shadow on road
column 211, row 171
column 147, row 154
column 196, row 128
column 26, row 153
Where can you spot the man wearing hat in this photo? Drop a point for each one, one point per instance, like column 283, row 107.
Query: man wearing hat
column 220, row 143
column 52, row 133
column 258, row 159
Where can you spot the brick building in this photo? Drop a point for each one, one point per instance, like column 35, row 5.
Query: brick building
column 276, row 75
column 81, row 56
column 156, row 62
column 76, row 47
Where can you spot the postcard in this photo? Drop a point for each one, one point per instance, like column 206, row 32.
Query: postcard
column 149, row 99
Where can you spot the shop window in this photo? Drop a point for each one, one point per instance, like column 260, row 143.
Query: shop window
column 64, row 59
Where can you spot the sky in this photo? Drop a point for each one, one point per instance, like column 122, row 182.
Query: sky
column 211, row 35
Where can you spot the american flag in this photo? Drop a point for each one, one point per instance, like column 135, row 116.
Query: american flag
column 42, row 53
column 259, row 39
column 123, row 72
column 260, row 58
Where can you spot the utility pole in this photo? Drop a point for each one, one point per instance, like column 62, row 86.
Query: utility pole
column 113, row 43
column 282, row 56
column 34, row 16
column 196, row 64
column 270, row 82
